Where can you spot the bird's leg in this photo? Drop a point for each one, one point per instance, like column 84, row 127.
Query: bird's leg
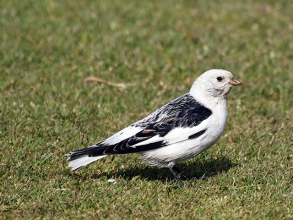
column 185, row 176
column 176, row 176
column 180, row 173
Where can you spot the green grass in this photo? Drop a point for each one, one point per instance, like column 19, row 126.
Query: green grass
column 48, row 48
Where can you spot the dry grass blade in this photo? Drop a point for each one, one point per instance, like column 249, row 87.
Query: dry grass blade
column 97, row 79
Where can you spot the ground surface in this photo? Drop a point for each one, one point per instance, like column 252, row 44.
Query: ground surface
column 155, row 49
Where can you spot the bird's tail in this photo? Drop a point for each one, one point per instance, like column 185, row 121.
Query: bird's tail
column 80, row 158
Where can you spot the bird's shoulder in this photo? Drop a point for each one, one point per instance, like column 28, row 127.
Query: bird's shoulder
column 185, row 111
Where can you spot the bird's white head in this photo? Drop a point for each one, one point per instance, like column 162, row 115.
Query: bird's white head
column 213, row 84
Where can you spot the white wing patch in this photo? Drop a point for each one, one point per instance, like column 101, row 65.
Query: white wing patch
column 122, row 135
column 174, row 136
column 182, row 134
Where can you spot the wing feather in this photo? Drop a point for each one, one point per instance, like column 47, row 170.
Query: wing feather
column 183, row 114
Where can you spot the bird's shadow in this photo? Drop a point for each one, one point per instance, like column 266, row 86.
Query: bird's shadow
column 205, row 169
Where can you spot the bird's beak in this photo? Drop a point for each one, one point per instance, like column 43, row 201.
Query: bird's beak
column 234, row 82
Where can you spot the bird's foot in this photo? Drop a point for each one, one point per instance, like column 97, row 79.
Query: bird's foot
column 184, row 176
column 179, row 175
column 176, row 176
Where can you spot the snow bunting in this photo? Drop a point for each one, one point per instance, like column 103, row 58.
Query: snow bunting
column 175, row 132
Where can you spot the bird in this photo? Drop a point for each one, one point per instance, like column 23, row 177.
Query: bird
column 179, row 130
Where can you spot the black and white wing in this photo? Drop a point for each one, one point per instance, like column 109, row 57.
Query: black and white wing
column 177, row 118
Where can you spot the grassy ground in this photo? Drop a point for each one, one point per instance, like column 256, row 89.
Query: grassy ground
column 48, row 48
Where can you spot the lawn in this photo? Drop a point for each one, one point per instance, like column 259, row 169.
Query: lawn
column 155, row 50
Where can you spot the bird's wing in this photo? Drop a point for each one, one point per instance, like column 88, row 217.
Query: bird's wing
column 174, row 122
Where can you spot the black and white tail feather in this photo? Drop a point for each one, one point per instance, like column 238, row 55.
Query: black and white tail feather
column 177, row 131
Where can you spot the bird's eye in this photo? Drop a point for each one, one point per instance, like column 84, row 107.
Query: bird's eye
column 219, row 78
